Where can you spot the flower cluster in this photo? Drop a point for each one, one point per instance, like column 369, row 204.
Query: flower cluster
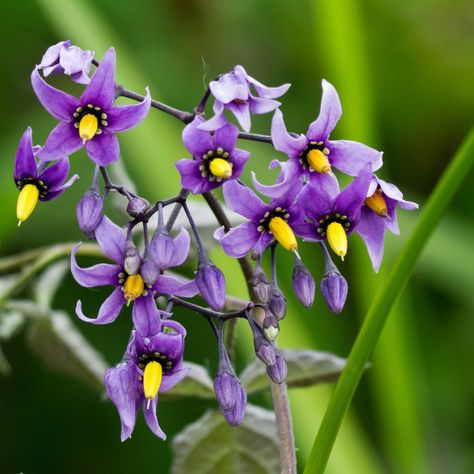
column 304, row 202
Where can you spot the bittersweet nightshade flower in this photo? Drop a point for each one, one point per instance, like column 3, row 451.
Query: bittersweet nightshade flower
column 89, row 211
column 266, row 222
column 277, row 301
column 128, row 287
column 90, row 121
column 62, row 58
column 264, row 349
column 334, row 290
column 216, row 160
column 36, row 181
column 233, row 92
column 278, row 371
column 303, row 283
column 152, row 364
column 211, row 283
column 379, row 214
column 312, row 156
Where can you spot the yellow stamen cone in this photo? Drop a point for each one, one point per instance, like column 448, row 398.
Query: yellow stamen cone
column 377, row 203
column 220, row 168
column 152, row 377
column 133, row 287
column 337, row 238
column 27, row 200
column 283, row 233
column 88, row 127
column 318, row 161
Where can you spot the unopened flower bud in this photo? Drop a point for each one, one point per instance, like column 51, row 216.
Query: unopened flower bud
column 334, row 290
column 277, row 302
column 89, row 212
column 211, row 283
column 137, row 207
column 163, row 248
column 226, row 387
column 270, row 327
column 260, row 284
column 132, row 259
column 264, row 349
column 149, row 270
column 303, row 283
column 235, row 415
column 277, row 372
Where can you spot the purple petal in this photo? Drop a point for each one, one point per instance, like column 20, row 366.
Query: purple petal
column 191, row 178
column 351, row 157
column 239, row 240
column 259, row 105
column 125, row 117
column 326, row 182
column 371, row 228
column 177, row 327
column 109, row 310
column 101, row 89
column 283, row 141
column 103, row 149
column 216, row 122
column 243, row 200
column 239, row 158
column 151, row 419
column 53, row 194
column 111, row 239
column 146, row 317
column 263, row 242
column 329, row 114
column 181, row 245
column 242, row 113
column 350, row 200
column 55, row 175
column 173, row 379
column 390, row 219
column 62, row 141
column 59, row 104
column 168, row 285
column 52, row 53
column 102, row 274
column 122, row 388
column 226, row 137
column 196, row 140
column 25, row 163
column 289, row 178
column 75, row 60
column 230, row 87
column 394, row 193
column 315, row 201
column 268, row 92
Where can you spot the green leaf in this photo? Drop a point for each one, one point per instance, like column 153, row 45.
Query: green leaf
column 211, row 446
column 49, row 282
column 5, row 367
column 305, row 367
column 11, row 323
column 63, row 348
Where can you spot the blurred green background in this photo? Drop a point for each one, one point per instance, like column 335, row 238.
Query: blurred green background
column 405, row 75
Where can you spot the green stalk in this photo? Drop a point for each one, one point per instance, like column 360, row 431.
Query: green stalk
column 374, row 322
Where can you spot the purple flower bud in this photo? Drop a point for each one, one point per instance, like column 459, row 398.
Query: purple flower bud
column 260, row 284
column 303, row 283
column 334, row 290
column 132, row 260
column 264, row 349
column 163, row 248
column 149, row 270
column 137, row 207
column 277, row 372
column 226, row 386
column 270, row 327
column 211, row 283
column 89, row 212
column 277, row 302
column 235, row 415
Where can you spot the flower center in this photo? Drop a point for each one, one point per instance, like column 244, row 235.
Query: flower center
column 216, row 165
column 152, row 376
column 377, row 203
column 89, row 120
column 337, row 238
column 315, row 158
column 133, row 287
column 27, row 200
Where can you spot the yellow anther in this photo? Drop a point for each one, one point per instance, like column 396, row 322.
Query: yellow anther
column 220, row 168
column 377, row 203
column 152, row 377
column 133, row 287
column 27, row 200
column 337, row 238
column 283, row 233
column 88, row 127
column 318, row 161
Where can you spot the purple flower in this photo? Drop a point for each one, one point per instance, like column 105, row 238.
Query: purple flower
column 334, row 290
column 152, row 365
column 89, row 211
column 232, row 91
column 332, row 218
column 36, row 181
column 312, row 156
column 90, row 121
column 266, row 221
column 216, row 160
column 211, row 283
column 62, row 58
column 303, row 283
column 379, row 214
column 128, row 288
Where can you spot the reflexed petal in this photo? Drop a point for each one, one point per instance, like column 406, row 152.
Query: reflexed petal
column 371, row 228
column 326, row 182
column 53, row 194
column 239, row 240
column 394, row 193
column 216, row 122
column 179, row 328
column 101, row 89
column 55, row 175
column 242, row 114
column 151, row 419
column 146, row 317
column 268, row 92
column 259, row 105
column 121, row 384
column 103, row 149
column 168, row 285
column 197, row 141
column 243, row 200
column 329, row 114
column 181, row 244
column 109, row 310
column 239, row 158
column 61, row 142
column 52, row 53
column 226, row 137
column 391, row 220
column 173, row 379
column 102, row 274
column 283, row 141
column 111, row 239
column 59, row 104
column 75, row 60
column 263, row 242
column 25, row 163
column 289, row 179
column 351, row 157
column 191, row 177
column 125, row 117
column 229, row 87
